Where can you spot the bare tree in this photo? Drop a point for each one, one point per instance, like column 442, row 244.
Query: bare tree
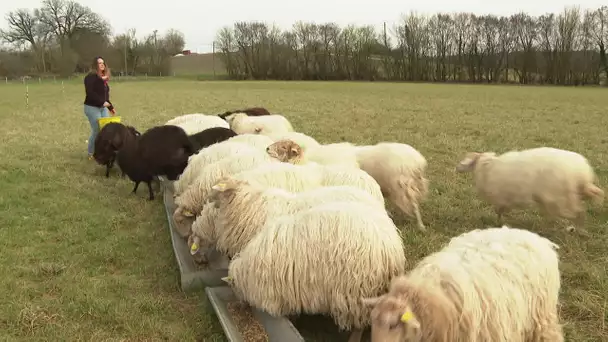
column 567, row 48
column 526, row 34
column 600, row 33
column 24, row 28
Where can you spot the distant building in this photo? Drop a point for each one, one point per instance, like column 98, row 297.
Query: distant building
column 196, row 64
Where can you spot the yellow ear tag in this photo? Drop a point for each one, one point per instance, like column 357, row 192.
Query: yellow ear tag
column 194, row 247
column 220, row 186
column 408, row 315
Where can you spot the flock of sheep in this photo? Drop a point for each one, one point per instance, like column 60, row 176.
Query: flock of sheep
column 307, row 230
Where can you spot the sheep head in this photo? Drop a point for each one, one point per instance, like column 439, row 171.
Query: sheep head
column 392, row 319
column 225, row 189
column 194, row 244
column 183, row 219
column 469, row 162
column 286, row 151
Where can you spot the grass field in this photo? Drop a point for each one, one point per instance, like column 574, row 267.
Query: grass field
column 86, row 260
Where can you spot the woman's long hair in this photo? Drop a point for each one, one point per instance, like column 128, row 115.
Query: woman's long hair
column 95, row 67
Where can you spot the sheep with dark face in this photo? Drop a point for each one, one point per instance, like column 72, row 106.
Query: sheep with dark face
column 210, row 136
column 253, row 111
column 109, row 140
column 161, row 150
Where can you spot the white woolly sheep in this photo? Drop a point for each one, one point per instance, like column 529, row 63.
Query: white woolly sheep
column 289, row 150
column 255, row 140
column 186, row 117
column 495, row 284
column 398, row 168
column 301, row 139
column 251, row 111
column 267, row 124
column 320, row 261
column 245, row 208
column 195, row 123
column 193, row 127
column 193, row 118
column 208, row 156
column 297, row 178
column 555, row 180
column 217, row 152
column 191, row 201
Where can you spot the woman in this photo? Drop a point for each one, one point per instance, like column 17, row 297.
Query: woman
column 97, row 100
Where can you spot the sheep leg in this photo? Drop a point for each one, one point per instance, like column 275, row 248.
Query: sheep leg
column 109, row 165
column 135, row 188
column 409, row 208
column 418, row 217
column 150, row 190
column 550, row 331
column 578, row 224
column 355, row 335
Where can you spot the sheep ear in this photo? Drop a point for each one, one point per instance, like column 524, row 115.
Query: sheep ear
column 474, row 156
column 371, row 302
column 221, row 187
column 228, row 280
column 194, row 248
column 407, row 316
column 468, row 163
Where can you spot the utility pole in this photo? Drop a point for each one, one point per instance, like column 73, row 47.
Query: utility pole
column 213, row 58
column 155, row 47
column 126, row 46
column 385, row 41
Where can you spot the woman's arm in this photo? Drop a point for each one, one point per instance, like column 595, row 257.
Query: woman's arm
column 89, row 87
column 107, row 92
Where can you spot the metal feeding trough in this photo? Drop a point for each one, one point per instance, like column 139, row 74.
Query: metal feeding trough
column 192, row 277
column 278, row 329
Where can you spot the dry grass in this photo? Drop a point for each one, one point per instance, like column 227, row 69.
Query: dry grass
column 85, row 259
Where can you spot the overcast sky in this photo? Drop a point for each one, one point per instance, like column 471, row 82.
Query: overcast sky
column 200, row 20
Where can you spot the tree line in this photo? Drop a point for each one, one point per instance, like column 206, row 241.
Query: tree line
column 62, row 37
column 568, row 48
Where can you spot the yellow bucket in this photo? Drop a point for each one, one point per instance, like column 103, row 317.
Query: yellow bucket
column 104, row 121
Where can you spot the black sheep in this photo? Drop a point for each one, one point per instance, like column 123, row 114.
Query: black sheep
column 161, row 150
column 109, row 140
column 210, row 136
column 253, row 111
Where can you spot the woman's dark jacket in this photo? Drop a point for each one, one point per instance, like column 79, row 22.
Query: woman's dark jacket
column 97, row 91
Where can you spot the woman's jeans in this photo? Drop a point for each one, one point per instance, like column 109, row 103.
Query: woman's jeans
column 93, row 114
